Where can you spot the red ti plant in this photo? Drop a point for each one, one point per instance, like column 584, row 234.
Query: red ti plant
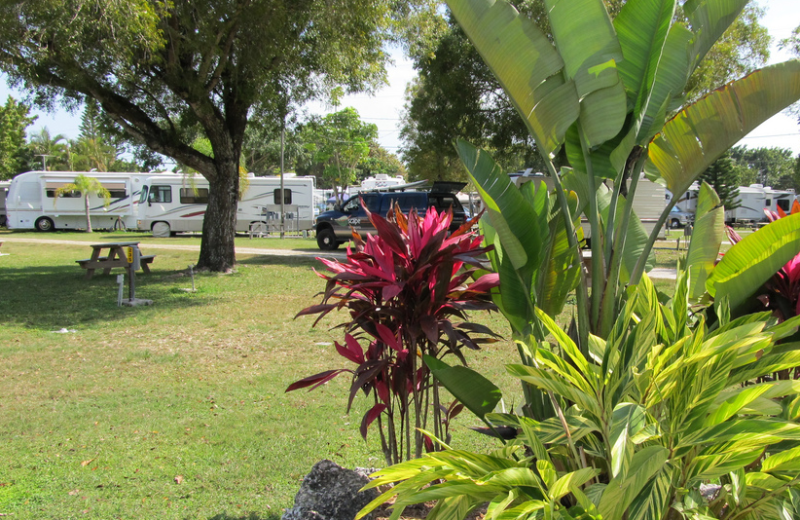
column 782, row 295
column 405, row 288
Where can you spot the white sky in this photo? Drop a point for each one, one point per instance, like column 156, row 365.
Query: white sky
column 384, row 108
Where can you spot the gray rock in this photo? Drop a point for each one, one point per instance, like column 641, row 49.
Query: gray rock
column 330, row 492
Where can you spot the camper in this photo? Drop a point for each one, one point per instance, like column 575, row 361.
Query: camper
column 31, row 202
column 3, row 191
column 782, row 199
column 176, row 203
column 648, row 204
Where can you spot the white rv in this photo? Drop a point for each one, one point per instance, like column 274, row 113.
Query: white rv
column 779, row 199
column 31, row 202
column 175, row 203
column 3, row 191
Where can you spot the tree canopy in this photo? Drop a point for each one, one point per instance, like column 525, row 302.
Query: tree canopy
column 14, row 153
column 166, row 71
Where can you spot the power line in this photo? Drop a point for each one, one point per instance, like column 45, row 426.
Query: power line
column 770, row 136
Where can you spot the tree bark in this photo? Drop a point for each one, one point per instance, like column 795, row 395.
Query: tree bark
column 88, row 215
column 219, row 223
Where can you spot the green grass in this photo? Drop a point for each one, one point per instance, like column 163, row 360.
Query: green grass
column 101, row 422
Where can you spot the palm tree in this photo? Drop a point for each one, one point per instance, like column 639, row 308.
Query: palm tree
column 86, row 186
column 43, row 144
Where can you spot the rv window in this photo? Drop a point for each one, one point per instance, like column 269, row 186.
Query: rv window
column 143, row 196
column 161, row 194
column 287, row 196
column 51, row 194
column 118, row 194
column 783, row 204
column 769, row 202
column 194, row 195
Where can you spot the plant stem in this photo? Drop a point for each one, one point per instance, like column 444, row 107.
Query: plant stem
column 598, row 267
column 581, row 291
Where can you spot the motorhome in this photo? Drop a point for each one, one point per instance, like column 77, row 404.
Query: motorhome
column 648, row 203
column 3, row 191
column 177, row 203
column 31, row 202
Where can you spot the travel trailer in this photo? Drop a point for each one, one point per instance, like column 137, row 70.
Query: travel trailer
column 3, row 191
column 176, row 203
column 31, row 202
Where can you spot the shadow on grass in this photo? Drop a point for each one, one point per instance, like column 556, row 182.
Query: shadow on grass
column 48, row 297
column 288, row 261
column 250, row 516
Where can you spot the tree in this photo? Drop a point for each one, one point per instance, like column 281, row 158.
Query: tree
column 456, row 95
column 86, row 186
column 49, row 150
column 765, row 166
column 722, row 176
column 340, row 141
column 378, row 161
column 166, row 71
column 14, row 153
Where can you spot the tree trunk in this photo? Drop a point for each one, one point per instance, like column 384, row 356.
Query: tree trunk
column 88, row 215
column 219, row 224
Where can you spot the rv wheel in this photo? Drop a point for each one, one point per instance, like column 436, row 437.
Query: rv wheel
column 45, row 224
column 326, row 240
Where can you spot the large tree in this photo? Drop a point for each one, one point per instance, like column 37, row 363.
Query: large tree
column 721, row 176
column 14, row 153
column 456, row 95
column 768, row 166
column 165, row 70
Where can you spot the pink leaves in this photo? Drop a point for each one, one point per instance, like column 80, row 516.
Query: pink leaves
column 351, row 350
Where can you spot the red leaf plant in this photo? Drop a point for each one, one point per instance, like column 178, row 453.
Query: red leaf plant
column 781, row 294
column 408, row 289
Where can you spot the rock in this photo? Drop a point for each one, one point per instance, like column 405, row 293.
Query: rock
column 330, row 492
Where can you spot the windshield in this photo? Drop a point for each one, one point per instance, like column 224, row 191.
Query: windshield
column 143, row 196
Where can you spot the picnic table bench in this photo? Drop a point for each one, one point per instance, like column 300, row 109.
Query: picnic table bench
column 115, row 257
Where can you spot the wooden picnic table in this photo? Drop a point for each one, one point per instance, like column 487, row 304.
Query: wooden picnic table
column 115, row 257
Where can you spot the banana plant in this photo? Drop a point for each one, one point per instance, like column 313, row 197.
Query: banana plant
column 610, row 93
column 658, row 408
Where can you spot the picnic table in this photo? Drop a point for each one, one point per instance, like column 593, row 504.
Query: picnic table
column 116, row 257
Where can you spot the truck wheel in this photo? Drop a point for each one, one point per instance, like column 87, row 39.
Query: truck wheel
column 45, row 224
column 675, row 223
column 326, row 240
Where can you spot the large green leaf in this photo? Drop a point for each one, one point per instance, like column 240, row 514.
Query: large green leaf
column 621, row 492
column 701, row 132
column 473, row 390
column 709, row 230
column 754, row 260
column 587, row 43
column 642, row 29
column 525, row 63
column 627, row 420
column 709, row 19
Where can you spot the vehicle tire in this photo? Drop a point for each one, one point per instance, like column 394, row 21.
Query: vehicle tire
column 675, row 223
column 326, row 240
column 44, row 224
column 161, row 230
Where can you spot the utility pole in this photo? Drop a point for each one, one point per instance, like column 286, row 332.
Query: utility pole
column 283, row 196
column 44, row 160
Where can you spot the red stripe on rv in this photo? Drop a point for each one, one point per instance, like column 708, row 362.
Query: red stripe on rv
column 192, row 214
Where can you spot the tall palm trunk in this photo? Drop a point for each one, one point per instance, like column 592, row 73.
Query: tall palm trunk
column 88, row 217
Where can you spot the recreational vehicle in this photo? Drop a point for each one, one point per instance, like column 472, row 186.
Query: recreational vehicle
column 3, row 191
column 31, row 202
column 174, row 203
column 782, row 199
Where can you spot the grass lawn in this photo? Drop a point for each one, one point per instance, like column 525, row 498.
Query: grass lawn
column 178, row 410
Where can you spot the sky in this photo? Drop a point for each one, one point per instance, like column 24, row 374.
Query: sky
column 384, row 108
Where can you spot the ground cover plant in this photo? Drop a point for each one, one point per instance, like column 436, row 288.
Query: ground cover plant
column 172, row 411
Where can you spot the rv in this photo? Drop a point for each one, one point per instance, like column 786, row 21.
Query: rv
column 175, row 203
column 782, row 199
column 31, row 202
column 3, row 191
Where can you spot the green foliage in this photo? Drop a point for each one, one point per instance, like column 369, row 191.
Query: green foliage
column 768, row 166
column 14, row 154
column 339, row 141
column 722, row 176
column 658, row 409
